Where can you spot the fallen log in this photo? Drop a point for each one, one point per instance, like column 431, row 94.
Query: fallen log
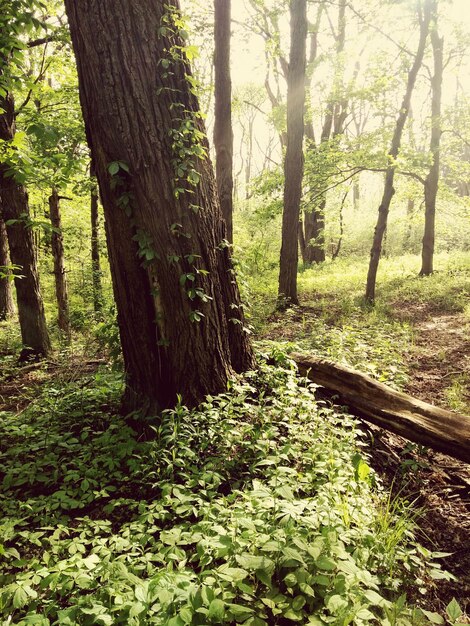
column 397, row 412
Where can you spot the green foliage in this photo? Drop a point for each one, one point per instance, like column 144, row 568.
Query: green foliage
column 257, row 507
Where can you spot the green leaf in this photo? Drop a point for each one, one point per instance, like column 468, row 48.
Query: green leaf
column 290, row 580
column 252, row 562
column 292, row 615
column 434, row 618
column 186, row 615
column 232, row 574
column 325, row 563
column 20, row 598
column 298, row 603
column 113, row 168
column 239, row 612
column 216, row 610
column 453, row 610
column 336, row 604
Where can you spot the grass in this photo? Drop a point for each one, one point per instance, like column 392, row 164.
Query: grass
column 332, row 320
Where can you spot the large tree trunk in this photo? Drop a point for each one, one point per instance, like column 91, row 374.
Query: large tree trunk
column 57, row 248
column 179, row 312
column 432, row 180
column 223, row 134
column 398, row 412
column 15, row 208
column 7, row 307
column 294, row 161
column 389, row 189
column 95, row 248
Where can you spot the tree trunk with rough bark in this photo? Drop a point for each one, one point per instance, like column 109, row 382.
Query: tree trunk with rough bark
column 180, row 316
column 95, row 248
column 294, row 159
column 7, row 307
column 57, row 248
column 223, row 134
column 432, row 180
column 389, row 189
column 15, row 209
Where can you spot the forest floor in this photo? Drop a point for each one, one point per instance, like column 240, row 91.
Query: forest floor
column 441, row 352
column 436, row 359
column 416, row 339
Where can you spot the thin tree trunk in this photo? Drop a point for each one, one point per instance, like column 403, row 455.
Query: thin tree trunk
column 7, row 307
column 432, row 180
column 294, row 159
column 57, row 248
column 410, row 207
column 95, row 248
column 335, row 116
column 223, row 134
column 389, row 190
column 179, row 311
column 307, row 227
column 337, row 250
column 356, row 193
column 249, row 156
column 15, row 208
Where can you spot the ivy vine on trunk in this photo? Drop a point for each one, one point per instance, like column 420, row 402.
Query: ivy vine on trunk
column 180, row 315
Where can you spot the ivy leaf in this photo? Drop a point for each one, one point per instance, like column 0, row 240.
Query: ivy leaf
column 113, row 168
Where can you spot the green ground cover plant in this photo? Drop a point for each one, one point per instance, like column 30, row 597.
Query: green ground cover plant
column 258, row 508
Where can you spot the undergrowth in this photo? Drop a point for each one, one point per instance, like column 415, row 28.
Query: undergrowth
column 258, row 508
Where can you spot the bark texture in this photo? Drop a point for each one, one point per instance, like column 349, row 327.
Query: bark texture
column 57, row 248
column 7, row 307
column 432, row 179
column 398, row 412
column 294, row 159
column 95, row 248
column 223, row 134
column 15, row 208
column 165, row 231
column 389, row 189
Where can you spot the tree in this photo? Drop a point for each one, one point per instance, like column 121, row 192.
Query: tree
column 13, row 196
column 333, row 123
column 6, row 296
column 95, row 248
column 432, row 179
column 15, row 210
column 389, row 191
column 57, row 247
column 223, row 134
column 293, row 162
column 180, row 316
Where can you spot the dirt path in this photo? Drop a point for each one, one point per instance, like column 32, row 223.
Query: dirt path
column 439, row 366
